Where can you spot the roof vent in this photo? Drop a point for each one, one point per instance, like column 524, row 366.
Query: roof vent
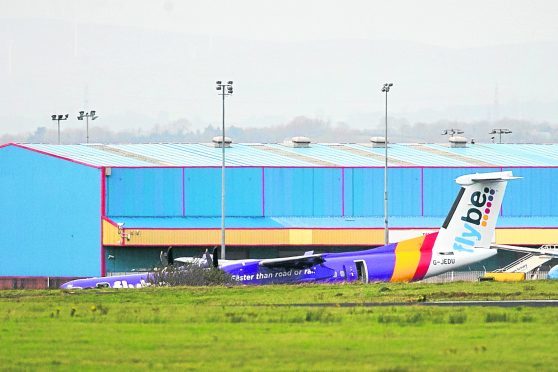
column 378, row 141
column 458, row 142
column 300, row 142
column 218, row 141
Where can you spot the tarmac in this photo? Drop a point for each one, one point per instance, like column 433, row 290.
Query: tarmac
column 512, row 303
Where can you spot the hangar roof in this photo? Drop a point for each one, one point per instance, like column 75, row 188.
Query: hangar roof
column 317, row 155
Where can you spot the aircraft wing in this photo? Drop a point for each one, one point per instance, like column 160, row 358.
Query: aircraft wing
column 295, row 262
column 546, row 250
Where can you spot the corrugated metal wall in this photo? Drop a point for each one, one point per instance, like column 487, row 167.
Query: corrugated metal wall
column 534, row 195
column 50, row 216
column 202, row 190
column 145, row 192
column 440, row 189
column 303, row 192
column 364, row 191
column 313, row 192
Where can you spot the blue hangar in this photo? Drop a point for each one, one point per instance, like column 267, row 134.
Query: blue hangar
column 84, row 210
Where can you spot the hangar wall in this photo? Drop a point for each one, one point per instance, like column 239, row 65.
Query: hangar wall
column 50, row 215
column 313, row 192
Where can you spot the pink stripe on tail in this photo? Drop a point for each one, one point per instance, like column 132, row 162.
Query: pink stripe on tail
column 425, row 256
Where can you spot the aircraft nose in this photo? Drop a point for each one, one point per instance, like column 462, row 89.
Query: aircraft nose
column 67, row 285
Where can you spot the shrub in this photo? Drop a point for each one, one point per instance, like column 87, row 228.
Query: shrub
column 497, row 317
column 415, row 318
column 388, row 319
column 457, row 318
column 319, row 315
column 190, row 275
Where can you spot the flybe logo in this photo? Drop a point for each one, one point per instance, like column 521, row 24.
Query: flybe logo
column 475, row 218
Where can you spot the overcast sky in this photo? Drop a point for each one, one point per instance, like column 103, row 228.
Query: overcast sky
column 448, row 23
column 141, row 63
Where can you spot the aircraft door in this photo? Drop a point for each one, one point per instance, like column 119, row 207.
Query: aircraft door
column 362, row 271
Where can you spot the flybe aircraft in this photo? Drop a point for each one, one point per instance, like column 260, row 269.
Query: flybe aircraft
column 464, row 238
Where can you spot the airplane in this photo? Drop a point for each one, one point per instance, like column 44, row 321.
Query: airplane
column 464, row 239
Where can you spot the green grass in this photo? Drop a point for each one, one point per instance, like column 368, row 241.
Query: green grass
column 249, row 328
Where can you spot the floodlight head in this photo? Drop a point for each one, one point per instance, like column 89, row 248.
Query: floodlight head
column 390, row 85
column 92, row 112
column 60, row 117
column 230, row 82
column 218, row 87
column 53, row 117
column 66, row 116
column 219, row 82
column 81, row 113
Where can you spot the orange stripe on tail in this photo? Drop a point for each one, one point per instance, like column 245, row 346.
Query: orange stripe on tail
column 407, row 258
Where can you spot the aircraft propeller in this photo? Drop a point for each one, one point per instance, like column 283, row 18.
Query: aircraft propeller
column 216, row 257
column 167, row 258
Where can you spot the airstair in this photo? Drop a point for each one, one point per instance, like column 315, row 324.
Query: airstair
column 528, row 264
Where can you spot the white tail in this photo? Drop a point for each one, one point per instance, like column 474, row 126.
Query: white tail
column 469, row 228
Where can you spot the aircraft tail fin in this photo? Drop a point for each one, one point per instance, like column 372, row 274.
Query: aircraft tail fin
column 471, row 221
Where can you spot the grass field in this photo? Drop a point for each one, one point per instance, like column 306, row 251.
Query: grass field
column 249, row 328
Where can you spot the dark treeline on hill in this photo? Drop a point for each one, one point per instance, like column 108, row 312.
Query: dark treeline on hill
column 318, row 130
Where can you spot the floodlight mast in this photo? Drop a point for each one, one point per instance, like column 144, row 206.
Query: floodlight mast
column 225, row 90
column 87, row 115
column 58, row 118
column 385, row 89
column 451, row 132
column 500, row 131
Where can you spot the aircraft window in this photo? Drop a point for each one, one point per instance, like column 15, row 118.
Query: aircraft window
column 453, row 208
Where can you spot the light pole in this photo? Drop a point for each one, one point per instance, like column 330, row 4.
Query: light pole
column 58, row 118
column 87, row 115
column 225, row 90
column 385, row 89
column 500, row 131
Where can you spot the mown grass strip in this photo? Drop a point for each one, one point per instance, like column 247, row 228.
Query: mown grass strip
column 241, row 328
